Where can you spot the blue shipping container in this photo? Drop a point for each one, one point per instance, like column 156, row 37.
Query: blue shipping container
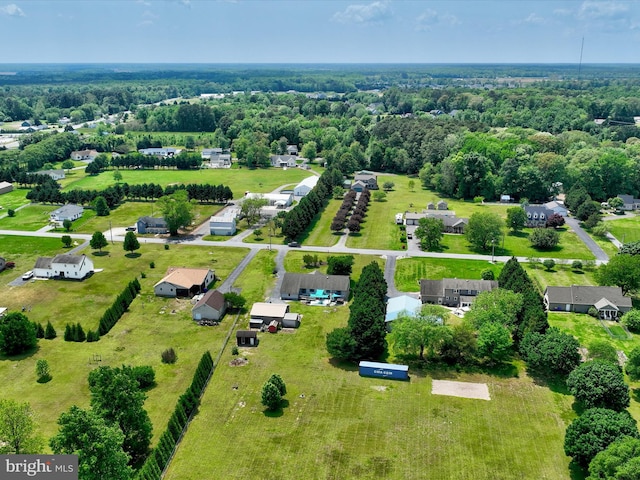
column 384, row 370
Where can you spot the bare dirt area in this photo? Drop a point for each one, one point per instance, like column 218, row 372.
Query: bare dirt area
column 478, row 391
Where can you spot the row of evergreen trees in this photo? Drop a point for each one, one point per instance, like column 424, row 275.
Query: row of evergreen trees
column 300, row 217
column 119, row 306
column 364, row 337
column 533, row 316
column 49, row 192
column 48, row 332
column 157, row 461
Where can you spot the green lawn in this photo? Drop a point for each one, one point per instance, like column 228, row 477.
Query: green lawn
column 626, row 229
column 319, row 232
column 409, row 271
column 561, row 275
column 518, row 245
column 588, row 329
column 152, row 325
column 13, row 200
column 30, row 218
column 293, row 263
column 338, row 425
column 239, row 180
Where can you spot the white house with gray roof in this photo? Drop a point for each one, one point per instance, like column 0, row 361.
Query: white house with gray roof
column 69, row 211
column 76, row 267
column 630, row 203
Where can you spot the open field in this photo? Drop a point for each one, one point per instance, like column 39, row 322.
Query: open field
column 626, row 229
column 293, row 263
column 29, row 218
column 13, row 200
column 257, row 280
column 151, row 325
column 409, row 271
column 338, row 425
column 239, row 180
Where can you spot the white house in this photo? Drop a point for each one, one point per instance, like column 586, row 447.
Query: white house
column 67, row 212
column 184, row 282
column 223, row 225
column 76, row 267
column 84, row 155
column 283, row 161
column 305, row 186
column 55, row 174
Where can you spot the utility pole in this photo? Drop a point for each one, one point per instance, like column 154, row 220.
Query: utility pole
column 493, row 248
column 110, row 232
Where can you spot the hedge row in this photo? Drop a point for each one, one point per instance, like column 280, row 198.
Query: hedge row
column 119, row 306
column 188, row 401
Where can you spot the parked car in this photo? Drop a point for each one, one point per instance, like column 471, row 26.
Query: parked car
column 410, row 236
column 27, row 275
column 130, row 229
column 294, row 244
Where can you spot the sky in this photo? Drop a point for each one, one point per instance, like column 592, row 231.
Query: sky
column 315, row 31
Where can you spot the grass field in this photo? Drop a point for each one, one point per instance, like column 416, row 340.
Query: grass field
column 409, row 271
column 152, row 325
column 319, row 232
column 561, row 275
column 13, row 200
column 626, row 229
column 239, row 180
column 29, row 218
column 338, row 425
column 293, row 263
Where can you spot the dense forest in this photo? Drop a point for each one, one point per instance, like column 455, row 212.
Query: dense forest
column 483, row 132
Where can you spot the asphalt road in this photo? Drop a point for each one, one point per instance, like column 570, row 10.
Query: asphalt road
column 601, row 257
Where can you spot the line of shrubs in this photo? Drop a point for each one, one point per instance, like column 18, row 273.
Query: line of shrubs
column 187, row 403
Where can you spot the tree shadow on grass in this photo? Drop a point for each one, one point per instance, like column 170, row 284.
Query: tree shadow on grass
column 519, row 234
column 99, row 254
column 343, row 364
column 635, row 394
column 279, row 411
column 20, row 356
column 556, row 383
column 133, row 255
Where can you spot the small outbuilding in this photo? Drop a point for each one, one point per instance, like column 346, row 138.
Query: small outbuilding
column 247, row 338
column 384, row 370
column 222, row 225
column 305, row 186
column 405, row 305
column 265, row 313
column 291, row 320
column 273, row 326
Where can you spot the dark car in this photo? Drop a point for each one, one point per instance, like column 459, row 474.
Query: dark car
column 294, row 244
column 130, row 229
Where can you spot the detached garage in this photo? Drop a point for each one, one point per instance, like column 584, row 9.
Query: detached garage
column 247, row 338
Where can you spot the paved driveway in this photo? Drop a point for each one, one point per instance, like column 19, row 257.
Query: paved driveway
column 587, row 240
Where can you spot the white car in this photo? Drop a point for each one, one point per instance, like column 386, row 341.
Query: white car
column 28, row 275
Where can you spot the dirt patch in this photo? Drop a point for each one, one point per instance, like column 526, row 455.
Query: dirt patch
column 239, row 362
column 380, row 388
column 478, row 391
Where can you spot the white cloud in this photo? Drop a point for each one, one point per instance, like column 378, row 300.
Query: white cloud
column 430, row 19
column 375, row 12
column 595, row 10
column 12, row 10
column 535, row 19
